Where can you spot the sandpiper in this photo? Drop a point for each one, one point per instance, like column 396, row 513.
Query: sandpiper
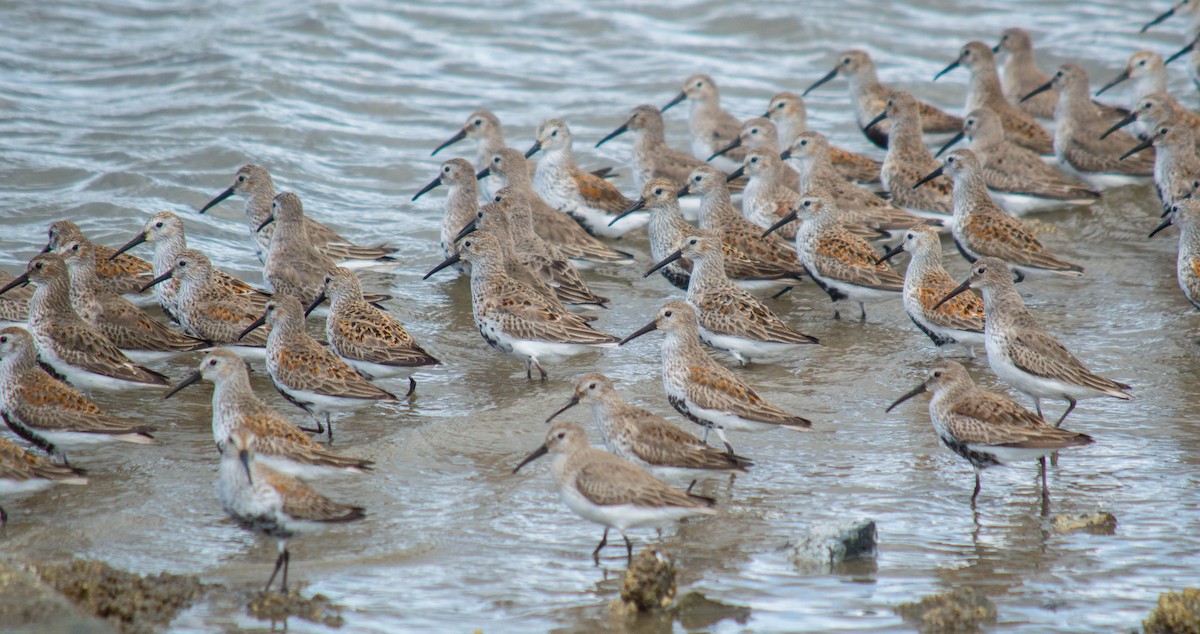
column 14, row 305
column 985, row 428
column 1022, row 75
column 462, row 201
column 1193, row 58
column 49, row 413
column 982, row 229
column 1024, row 355
column 869, row 98
column 23, row 472
column 68, row 344
column 712, row 127
column 652, row 157
column 294, row 266
column 484, row 127
column 1176, row 163
column 509, row 216
column 730, row 319
column 908, row 160
column 550, row 224
column 1186, row 214
column 1019, row 180
column 514, row 318
column 645, row 438
column 305, row 372
column 704, row 391
column 126, row 274
column 757, row 133
column 1186, row 8
column 254, row 182
column 718, row 216
column 786, row 110
column 1078, row 130
column 984, row 91
column 267, row 502
column 767, row 198
column 1149, row 75
column 841, row 263
column 277, row 443
column 667, row 229
column 589, row 199
column 165, row 230
column 959, row 320
column 210, row 310
column 370, row 340
column 612, row 491
column 133, row 330
column 1156, row 108
column 859, row 206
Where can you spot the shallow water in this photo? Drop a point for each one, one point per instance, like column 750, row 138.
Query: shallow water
column 113, row 111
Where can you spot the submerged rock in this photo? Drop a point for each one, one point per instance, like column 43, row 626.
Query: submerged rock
column 697, row 612
column 128, row 601
column 959, row 611
column 827, row 545
column 278, row 608
column 1176, row 613
column 649, row 582
column 26, row 603
column 1098, row 523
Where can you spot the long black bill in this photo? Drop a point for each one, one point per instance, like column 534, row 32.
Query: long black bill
column 458, row 136
column 945, row 70
column 249, row 329
column 158, row 280
column 665, row 261
column 1166, row 223
column 537, row 453
column 958, row 290
column 920, row 389
column 20, row 280
column 683, row 191
column 450, row 261
column 216, row 201
column 191, row 378
column 467, row 230
column 1181, row 52
column 637, row 206
column 735, row 174
column 614, row 134
column 138, row 239
column 484, row 173
column 316, row 302
column 1116, row 80
column 874, row 122
column 1138, row 148
column 891, row 253
column 1120, row 124
column 650, row 327
column 1163, row 17
column 930, row 176
column 785, row 155
column 269, row 220
column 244, row 457
column 671, row 104
column 732, row 144
column 533, row 149
column 1037, row 91
column 49, row 247
column 958, row 137
column 424, row 190
column 571, row 403
column 820, row 82
column 782, row 221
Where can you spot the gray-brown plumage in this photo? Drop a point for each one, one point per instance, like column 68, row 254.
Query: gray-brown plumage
column 210, row 310
column 908, row 161
column 14, row 304
column 984, row 91
column 718, row 216
column 24, row 472
column 652, row 157
column 645, row 438
column 787, row 111
column 126, row 274
column 126, row 325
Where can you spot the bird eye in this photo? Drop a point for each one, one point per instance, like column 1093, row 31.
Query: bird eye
column 75, row 247
column 754, row 160
column 699, row 84
column 697, row 179
column 212, row 362
column 937, row 375
column 467, row 243
column 479, row 122
column 182, row 263
column 970, row 122
column 39, row 265
column 911, row 236
column 808, row 203
column 658, row 191
column 1142, row 63
column 446, row 170
column 1058, row 74
column 555, row 133
column 889, row 103
column 158, row 224
column 270, row 308
column 1004, row 39
column 804, row 143
column 981, row 270
column 592, row 386
column 241, row 179
column 496, row 160
column 1162, row 131
column 846, row 61
column 950, row 159
column 4, row 339
column 1146, row 107
column 668, row 314
column 753, row 130
column 693, row 241
column 779, row 106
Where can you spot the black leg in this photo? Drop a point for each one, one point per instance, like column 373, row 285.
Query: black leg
column 3, row 515
column 1037, row 404
column 863, row 308
column 1042, row 475
column 628, row 549
column 783, row 292
column 977, row 487
column 1018, row 277
column 412, row 387
column 329, row 427
column 529, row 369
column 689, row 489
column 603, row 543
column 836, row 314
column 729, row 449
column 287, row 562
column 278, row 565
column 1070, row 408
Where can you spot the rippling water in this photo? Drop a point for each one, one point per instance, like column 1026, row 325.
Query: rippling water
column 113, row 110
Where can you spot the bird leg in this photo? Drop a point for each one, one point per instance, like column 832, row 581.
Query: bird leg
column 628, row 549
column 1042, row 475
column 603, row 543
column 977, row 487
column 782, row 292
column 278, row 565
column 329, row 427
column 863, row 308
column 721, row 435
column 1018, row 277
column 1069, row 410
column 412, row 387
column 689, row 489
column 287, row 563
column 3, row 516
column 1037, row 404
